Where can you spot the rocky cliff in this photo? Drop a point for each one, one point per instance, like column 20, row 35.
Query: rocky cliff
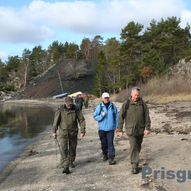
column 67, row 76
column 182, row 68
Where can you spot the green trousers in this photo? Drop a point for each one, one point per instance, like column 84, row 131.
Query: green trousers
column 86, row 105
column 68, row 150
column 135, row 148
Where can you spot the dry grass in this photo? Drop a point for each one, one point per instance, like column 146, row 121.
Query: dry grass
column 167, row 86
column 161, row 99
column 121, row 97
column 164, row 90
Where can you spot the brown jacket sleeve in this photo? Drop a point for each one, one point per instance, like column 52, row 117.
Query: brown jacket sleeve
column 81, row 121
column 147, row 117
column 57, row 120
column 121, row 117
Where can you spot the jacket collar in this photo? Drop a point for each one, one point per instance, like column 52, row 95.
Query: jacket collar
column 140, row 101
column 72, row 108
column 103, row 105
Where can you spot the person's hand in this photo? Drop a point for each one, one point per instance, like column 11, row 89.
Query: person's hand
column 116, row 129
column 103, row 114
column 82, row 135
column 54, row 135
column 146, row 132
column 120, row 134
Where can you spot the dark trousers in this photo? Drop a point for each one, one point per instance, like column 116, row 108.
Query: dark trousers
column 107, row 146
column 86, row 105
column 68, row 150
column 135, row 148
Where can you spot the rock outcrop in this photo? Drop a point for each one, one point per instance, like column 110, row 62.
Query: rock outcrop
column 182, row 68
column 67, row 76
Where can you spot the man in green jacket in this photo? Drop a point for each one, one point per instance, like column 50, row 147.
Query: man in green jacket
column 79, row 101
column 66, row 121
column 135, row 113
column 86, row 100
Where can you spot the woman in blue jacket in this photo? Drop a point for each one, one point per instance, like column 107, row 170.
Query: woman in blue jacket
column 107, row 116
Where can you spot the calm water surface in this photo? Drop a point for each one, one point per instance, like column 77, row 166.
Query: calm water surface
column 19, row 126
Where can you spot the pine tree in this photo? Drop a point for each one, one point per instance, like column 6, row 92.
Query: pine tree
column 114, row 64
column 131, row 51
column 3, row 73
column 100, row 82
column 152, row 60
column 168, row 39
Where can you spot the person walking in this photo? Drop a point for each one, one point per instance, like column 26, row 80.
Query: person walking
column 79, row 101
column 135, row 113
column 66, row 121
column 86, row 100
column 107, row 116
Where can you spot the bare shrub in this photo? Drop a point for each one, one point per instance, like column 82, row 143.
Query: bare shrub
column 122, row 96
column 166, row 86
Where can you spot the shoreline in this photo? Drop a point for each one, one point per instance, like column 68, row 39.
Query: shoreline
column 45, row 101
column 21, row 156
column 27, row 149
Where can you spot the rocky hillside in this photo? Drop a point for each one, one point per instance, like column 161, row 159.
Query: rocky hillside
column 66, row 76
column 182, row 68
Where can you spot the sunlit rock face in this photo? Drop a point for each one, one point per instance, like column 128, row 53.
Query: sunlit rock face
column 182, row 68
column 67, row 76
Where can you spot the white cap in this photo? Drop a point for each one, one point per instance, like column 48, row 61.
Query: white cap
column 105, row 94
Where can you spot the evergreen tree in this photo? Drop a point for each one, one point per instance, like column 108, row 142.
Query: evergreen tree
column 131, row 51
column 3, row 73
column 71, row 50
column 152, row 60
column 37, row 61
column 85, row 48
column 12, row 64
column 55, row 53
column 114, row 64
column 100, row 82
column 169, row 39
column 25, row 68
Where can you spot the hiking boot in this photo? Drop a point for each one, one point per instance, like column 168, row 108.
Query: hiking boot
column 59, row 166
column 66, row 170
column 135, row 170
column 105, row 157
column 72, row 165
column 112, row 161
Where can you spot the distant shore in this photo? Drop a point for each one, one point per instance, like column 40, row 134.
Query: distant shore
column 43, row 101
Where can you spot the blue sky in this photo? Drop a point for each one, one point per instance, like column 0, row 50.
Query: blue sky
column 29, row 23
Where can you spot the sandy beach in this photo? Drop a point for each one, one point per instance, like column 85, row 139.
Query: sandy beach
column 166, row 150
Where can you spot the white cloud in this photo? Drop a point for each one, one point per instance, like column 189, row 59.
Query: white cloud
column 16, row 28
column 110, row 16
column 185, row 18
column 3, row 56
column 36, row 22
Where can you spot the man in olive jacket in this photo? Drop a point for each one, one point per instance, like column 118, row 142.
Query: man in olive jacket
column 135, row 113
column 66, row 122
column 79, row 101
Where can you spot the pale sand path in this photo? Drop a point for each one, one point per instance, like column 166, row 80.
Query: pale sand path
column 38, row 172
